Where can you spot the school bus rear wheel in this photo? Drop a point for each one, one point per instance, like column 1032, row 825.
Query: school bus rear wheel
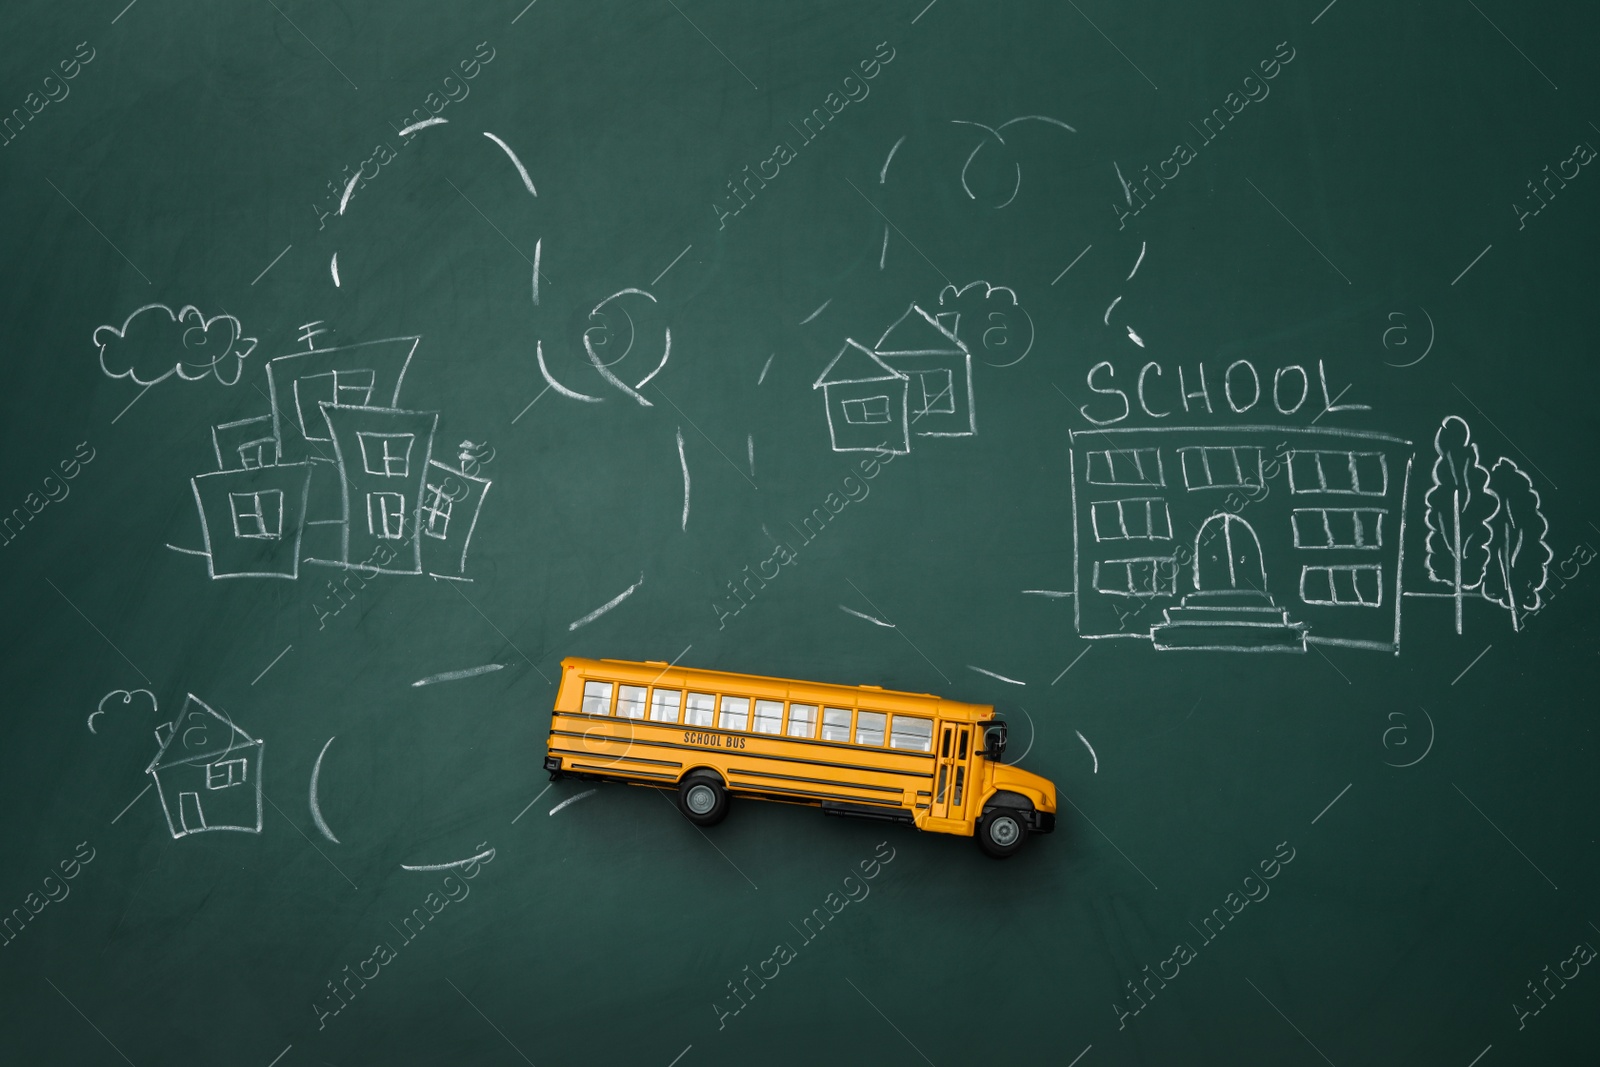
column 1001, row 832
column 702, row 799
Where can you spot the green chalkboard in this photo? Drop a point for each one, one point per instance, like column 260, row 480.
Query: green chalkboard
column 1207, row 387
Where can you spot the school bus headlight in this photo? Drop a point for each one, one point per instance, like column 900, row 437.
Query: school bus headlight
column 552, row 763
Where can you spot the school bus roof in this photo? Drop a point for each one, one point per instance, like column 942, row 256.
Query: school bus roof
column 758, row 685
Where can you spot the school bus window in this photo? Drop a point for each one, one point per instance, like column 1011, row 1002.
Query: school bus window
column 769, row 716
column 597, row 698
column 961, row 777
column 735, row 713
column 802, row 720
column 962, row 754
column 698, row 709
column 630, row 701
column 835, row 724
column 664, row 705
column 869, row 727
column 909, row 732
column 944, row 746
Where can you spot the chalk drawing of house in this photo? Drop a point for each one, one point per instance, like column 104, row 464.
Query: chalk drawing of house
column 926, row 349
column 207, row 773
column 865, row 399
column 251, row 519
column 382, row 456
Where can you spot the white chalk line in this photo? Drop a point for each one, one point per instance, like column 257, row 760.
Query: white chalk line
column 992, row 674
column 817, row 312
column 479, row 858
column 573, row 800
column 316, row 804
column 424, row 124
column 683, row 461
column 333, row 269
column 607, row 606
column 121, row 13
column 527, row 181
column 1054, row 593
column 531, row 803
column 863, row 615
column 1135, row 270
column 1090, row 747
column 1474, row 663
column 453, row 676
column 766, row 367
column 286, row 1048
column 524, row 11
column 883, row 175
column 349, row 190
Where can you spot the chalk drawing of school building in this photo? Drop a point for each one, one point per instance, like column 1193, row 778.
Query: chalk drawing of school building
column 336, row 474
column 207, row 772
column 1241, row 539
column 915, row 382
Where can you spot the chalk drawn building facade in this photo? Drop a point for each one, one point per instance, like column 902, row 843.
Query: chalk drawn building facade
column 207, row 772
column 1244, row 538
column 336, row 469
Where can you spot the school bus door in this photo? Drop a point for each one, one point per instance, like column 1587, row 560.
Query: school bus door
column 951, row 782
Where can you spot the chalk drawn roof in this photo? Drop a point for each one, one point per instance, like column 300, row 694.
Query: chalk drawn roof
column 859, row 365
column 917, row 333
column 174, row 752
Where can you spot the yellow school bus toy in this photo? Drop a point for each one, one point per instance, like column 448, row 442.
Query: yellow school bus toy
column 857, row 750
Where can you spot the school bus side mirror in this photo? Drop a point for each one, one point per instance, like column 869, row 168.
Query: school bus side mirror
column 994, row 741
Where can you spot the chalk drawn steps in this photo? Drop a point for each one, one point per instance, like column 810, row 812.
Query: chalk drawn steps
column 207, row 772
column 1231, row 621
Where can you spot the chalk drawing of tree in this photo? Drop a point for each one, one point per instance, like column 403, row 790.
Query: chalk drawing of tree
column 1459, row 504
column 1519, row 558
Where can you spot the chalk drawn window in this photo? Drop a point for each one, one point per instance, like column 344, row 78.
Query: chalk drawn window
column 630, row 701
column 867, row 411
column 869, row 727
column 386, row 515
column 836, row 724
column 388, row 455
column 1344, row 473
column 938, row 392
column 1338, row 527
column 352, row 388
column 698, row 710
column 258, row 516
column 436, row 508
column 802, row 720
column 911, row 733
column 1126, row 466
column 664, row 705
column 253, row 455
column 224, row 773
column 735, row 713
column 1140, row 518
column 1144, row 577
column 769, row 716
column 597, row 698
column 1225, row 467
column 1355, row 585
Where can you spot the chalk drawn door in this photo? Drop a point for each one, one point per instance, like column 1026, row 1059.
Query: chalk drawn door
column 1227, row 556
column 950, row 784
column 189, row 812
